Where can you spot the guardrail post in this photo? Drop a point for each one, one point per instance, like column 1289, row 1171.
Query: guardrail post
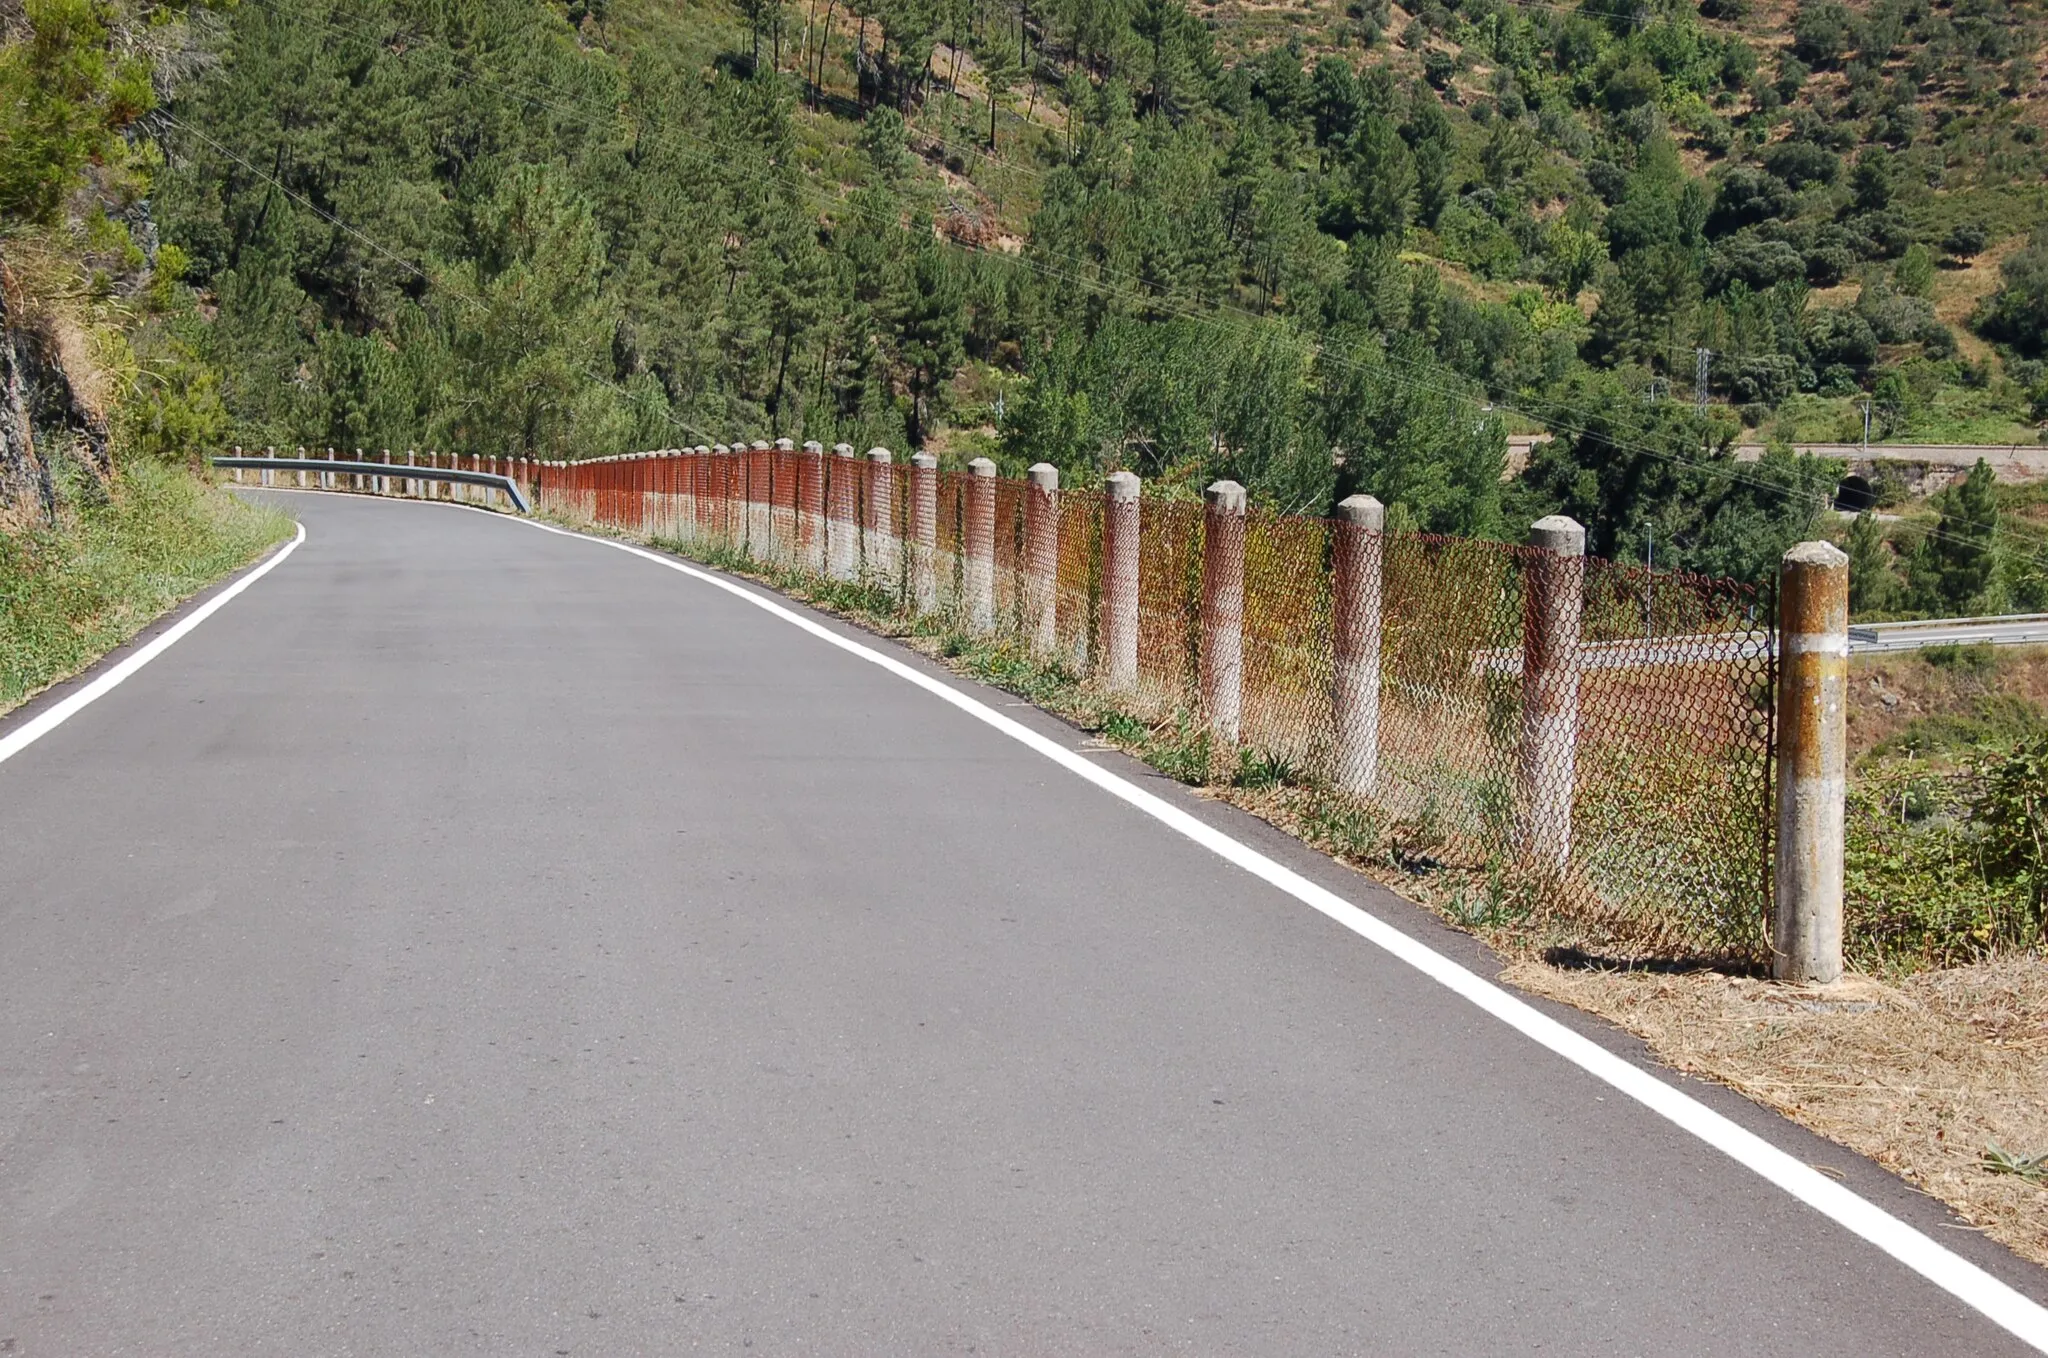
column 238, row 470
column 923, row 515
column 269, row 477
column 412, row 486
column 1356, row 611
column 1042, row 559
column 1223, row 609
column 842, row 528
column 1813, row 680
column 301, row 474
column 1553, row 600
column 879, row 552
column 1120, row 525
column 980, row 573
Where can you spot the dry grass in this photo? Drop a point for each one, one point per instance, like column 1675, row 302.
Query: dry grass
column 1922, row 1074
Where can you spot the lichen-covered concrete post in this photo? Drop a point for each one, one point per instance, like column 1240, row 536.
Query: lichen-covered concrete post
column 842, row 524
column 302, row 470
column 760, row 531
column 978, row 575
column 412, row 487
column 267, row 474
column 1356, row 607
column 923, row 515
column 879, row 551
column 810, row 490
column 1813, row 679
column 238, row 470
column 326, row 477
column 723, row 490
column 1120, row 524
column 1553, row 599
column 1223, row 506
column 1042, row 558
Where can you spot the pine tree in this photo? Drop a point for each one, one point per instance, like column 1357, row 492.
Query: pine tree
column 1958, row 558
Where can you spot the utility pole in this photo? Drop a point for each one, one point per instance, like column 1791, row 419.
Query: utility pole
column 1649, row 584
column 1699, row 379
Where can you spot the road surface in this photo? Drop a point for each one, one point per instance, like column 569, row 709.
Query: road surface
column 479, row 941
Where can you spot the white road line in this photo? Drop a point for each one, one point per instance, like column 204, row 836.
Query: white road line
column 1995, row 1300
column 33, row 730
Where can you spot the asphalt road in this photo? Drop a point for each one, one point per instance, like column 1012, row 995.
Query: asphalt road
column 477, row 941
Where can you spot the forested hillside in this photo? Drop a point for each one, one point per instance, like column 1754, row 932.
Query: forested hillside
column 1348, row 250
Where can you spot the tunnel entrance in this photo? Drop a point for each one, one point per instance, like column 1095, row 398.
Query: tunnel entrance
column 1855, row 494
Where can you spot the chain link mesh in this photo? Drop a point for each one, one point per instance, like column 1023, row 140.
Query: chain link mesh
column 1504, row 708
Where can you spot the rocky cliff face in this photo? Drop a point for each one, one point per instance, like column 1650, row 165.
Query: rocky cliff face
column 41, row 415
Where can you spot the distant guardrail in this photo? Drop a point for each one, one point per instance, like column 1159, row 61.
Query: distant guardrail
column 2011, row 629
column 378, row 474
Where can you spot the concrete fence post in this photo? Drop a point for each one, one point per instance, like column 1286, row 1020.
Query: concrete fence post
column 300, row 476
column 979, row 573
column 802, row 525
column 412, row 487
column 1042, row 559
column 722, row 491
column 760, row 533
column 1223, row 506
column 268, row 475
column 923, row 515
column 326, row 477
column 842, row 527
column 810, row 489
column 1553, row 600
column 879, row 551
column 1813, row 681
column 1356, row 606
column 1120, row 526
column 238, row 470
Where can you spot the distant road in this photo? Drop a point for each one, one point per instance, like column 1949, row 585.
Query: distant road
column 480, row 941
column 2010, row 462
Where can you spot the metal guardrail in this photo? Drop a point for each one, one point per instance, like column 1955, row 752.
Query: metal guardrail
column 389, row 470
column 2012, row 629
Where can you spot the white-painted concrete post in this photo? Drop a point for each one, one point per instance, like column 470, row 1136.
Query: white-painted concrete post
column 923, row 515
column 1223, row 526
column 1553, row 600
column 879, row 550
column 810, row 489
column 1120, row 526
column 412, row 486
column 1813, row 681
column 326, row 477
column 1042, row 559
column 760, row 531
column 843, row 526
column 268, row 479
column 238, row 470
column 979, row 573
column 302, row 470
column 1356, row 607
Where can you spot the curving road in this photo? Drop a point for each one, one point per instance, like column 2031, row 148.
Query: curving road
column 477, row 941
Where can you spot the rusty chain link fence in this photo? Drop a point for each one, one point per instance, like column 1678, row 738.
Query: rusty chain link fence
column 1518, row 711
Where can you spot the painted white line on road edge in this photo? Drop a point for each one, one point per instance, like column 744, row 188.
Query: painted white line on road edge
column 1997, row 1301
column 33, row 730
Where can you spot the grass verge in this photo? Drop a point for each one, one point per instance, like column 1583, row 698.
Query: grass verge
column 1940, row 1075
column 121, row 553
